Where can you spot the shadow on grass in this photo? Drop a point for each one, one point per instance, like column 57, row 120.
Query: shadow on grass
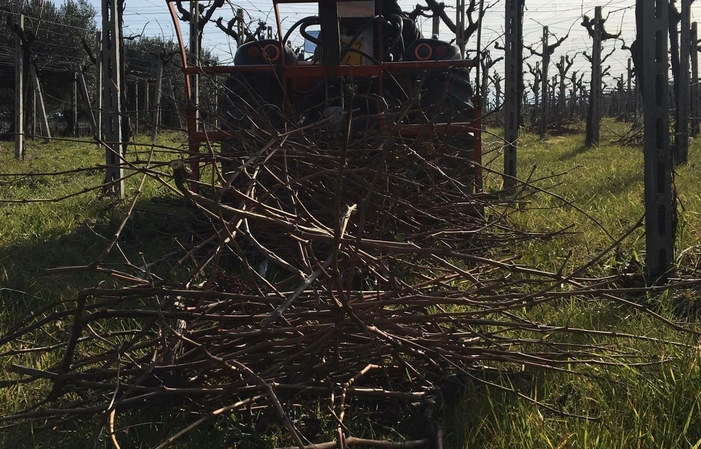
column 576, row 150
column 134, row 429
column 25, row 284
column 616, row 185
column 26, row 290
column 25, row 280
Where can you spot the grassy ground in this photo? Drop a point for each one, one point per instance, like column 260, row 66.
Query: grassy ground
column 64, row 219
column 595, row 190
column 653, row 407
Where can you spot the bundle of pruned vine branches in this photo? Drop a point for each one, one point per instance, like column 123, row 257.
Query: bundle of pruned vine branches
column 324, row 266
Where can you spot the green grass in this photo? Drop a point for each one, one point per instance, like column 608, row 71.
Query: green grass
column 38, row 235
column 650, row 407
column 73, row 231
column 657, row 406
column 630, row 407
column 605, row 183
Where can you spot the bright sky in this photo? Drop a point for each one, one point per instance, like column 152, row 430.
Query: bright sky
column 560, row 16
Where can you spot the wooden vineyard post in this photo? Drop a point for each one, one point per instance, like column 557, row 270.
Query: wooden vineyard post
column 19, row 92
column 620, row 106
column 147, row 103
column 659, row 199
column 695, row 110
column 551, row 94
column 34, row 115
column 39, row 100
column 76, row 127
column 86, row 98
column 193, row 119
column 98, row 84
column 112, row 99
column 637, row 99
column 681, row 140
column 544, row 88
column 512, row 89
column 136, row 107
column 594, row 114
column 630, row 100
column 157, row 100
column 194, row 58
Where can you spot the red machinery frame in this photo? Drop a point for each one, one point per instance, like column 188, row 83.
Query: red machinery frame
column 309, row 71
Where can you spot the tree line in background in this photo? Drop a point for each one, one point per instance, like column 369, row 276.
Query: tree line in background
column 61, row 41
column 54, row 38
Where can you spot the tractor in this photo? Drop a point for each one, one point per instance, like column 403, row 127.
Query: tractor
column 374, row 65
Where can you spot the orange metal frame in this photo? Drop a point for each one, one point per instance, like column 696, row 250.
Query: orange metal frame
column 315, row 71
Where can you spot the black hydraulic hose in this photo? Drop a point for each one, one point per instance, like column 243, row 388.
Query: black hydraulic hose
column 362, row 53
column 398, row 37
column 314, row 20
column 307, row 36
